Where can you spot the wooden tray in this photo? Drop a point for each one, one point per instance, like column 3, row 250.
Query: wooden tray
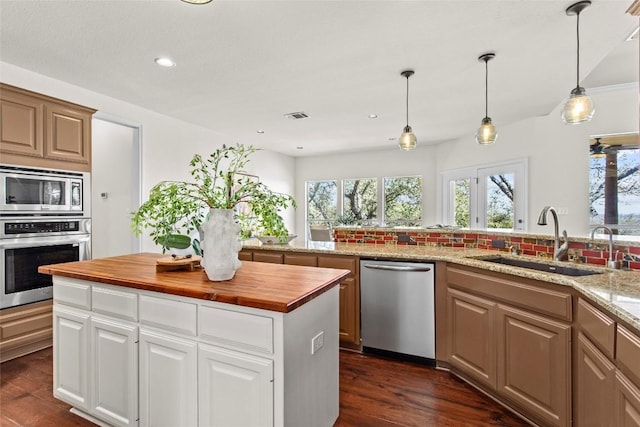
column 169, row 263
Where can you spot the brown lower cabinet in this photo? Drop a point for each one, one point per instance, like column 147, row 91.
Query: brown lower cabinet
column 25, row 329
column 349, row 289
column 512, row 338
column 534, row 364
column 595, row 375
column 607, row 388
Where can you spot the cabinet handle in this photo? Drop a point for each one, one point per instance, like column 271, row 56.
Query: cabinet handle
column 396, row 267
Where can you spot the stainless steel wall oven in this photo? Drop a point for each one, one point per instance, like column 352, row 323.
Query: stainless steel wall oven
column 26, row 244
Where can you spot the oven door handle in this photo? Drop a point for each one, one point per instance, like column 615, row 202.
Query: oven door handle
column 30, row 242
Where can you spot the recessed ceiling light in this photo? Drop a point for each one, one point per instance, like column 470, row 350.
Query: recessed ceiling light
column 373, row 116
column 299, row 147
column 197, row 1
column 392, row 139
column 633, row 35
column 259, row 131
column 163, row 61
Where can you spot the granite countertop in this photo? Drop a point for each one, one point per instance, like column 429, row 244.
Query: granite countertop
column 272, row 287
column 616, row 291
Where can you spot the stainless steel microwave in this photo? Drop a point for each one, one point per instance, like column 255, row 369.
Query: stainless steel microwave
column 31, row 191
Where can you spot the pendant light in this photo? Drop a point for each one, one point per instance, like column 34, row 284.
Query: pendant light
column 408, row 140
column 579, row 107
column 487, row 133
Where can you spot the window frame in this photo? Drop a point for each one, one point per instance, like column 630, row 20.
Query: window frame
column 478, row 192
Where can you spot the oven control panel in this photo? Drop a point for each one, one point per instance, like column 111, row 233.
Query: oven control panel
column 40, row 227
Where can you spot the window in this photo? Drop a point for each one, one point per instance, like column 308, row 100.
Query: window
column 322, row 202
column 499, row 202
column 359, row 200
column 403, row 201
column 491, row 197
column 461, row 202
column 358, row 203
column 614, row 184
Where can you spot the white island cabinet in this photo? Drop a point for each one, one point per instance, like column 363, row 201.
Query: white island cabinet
column 127, row 357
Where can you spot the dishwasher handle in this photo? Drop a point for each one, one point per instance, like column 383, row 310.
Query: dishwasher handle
column 396, row 267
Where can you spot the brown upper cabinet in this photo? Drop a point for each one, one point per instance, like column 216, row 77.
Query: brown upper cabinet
column 40, row 131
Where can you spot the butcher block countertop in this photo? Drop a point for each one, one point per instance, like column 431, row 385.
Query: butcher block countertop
column 273, row 287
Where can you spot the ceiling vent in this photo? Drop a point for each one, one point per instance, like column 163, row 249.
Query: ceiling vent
column 296, row 116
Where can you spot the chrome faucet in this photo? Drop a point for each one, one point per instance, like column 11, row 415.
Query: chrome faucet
column 613, row 263
column 558, row 250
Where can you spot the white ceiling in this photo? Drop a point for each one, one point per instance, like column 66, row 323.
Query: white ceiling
column 242, row 65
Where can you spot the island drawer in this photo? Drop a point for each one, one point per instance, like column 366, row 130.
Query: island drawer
column 115, row 303
column 235, row 329
column 175, row 316
column 72, row 292
column 597, row 326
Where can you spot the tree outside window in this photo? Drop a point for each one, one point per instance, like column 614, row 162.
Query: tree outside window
column 360, row 200
column 461, row 208
column 322, row 202
column 403, row 201
column 500, row 201
column 614, row 189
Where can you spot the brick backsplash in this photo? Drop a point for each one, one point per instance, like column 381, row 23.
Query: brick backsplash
column 592, row 252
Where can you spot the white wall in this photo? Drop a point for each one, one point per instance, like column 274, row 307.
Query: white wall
column 167, row 143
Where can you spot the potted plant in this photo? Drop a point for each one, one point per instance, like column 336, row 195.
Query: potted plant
column 207, row 203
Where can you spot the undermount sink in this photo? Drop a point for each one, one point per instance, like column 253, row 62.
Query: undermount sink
column 547, row 268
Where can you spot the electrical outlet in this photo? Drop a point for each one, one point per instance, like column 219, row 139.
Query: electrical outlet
column 563, row 211
column 317, row 342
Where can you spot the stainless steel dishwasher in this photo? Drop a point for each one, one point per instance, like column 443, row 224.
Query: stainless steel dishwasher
column 397, row 308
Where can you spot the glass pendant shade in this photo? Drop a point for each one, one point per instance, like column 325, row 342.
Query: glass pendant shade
column 408, row 140
column 578, row 108
column 487, row 133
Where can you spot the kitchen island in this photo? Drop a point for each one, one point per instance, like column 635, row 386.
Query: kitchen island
column 133, row 346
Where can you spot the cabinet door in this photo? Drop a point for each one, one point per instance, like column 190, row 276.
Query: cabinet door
column 114, row 371
column 235, row 389
column 534, row 365
column 21, row 119
column 627, row 402
column 349, row 315
column 272, row 257
column 68, row 134
column 349, row 326
column 594, row 386
column 70, row 356
column 245, row 255
column 301, row 259
column 471, row 344
column 168, row 380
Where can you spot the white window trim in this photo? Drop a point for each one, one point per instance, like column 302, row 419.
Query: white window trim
column 477, row 191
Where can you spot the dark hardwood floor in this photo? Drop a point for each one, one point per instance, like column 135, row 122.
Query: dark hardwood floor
column 373, row 392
